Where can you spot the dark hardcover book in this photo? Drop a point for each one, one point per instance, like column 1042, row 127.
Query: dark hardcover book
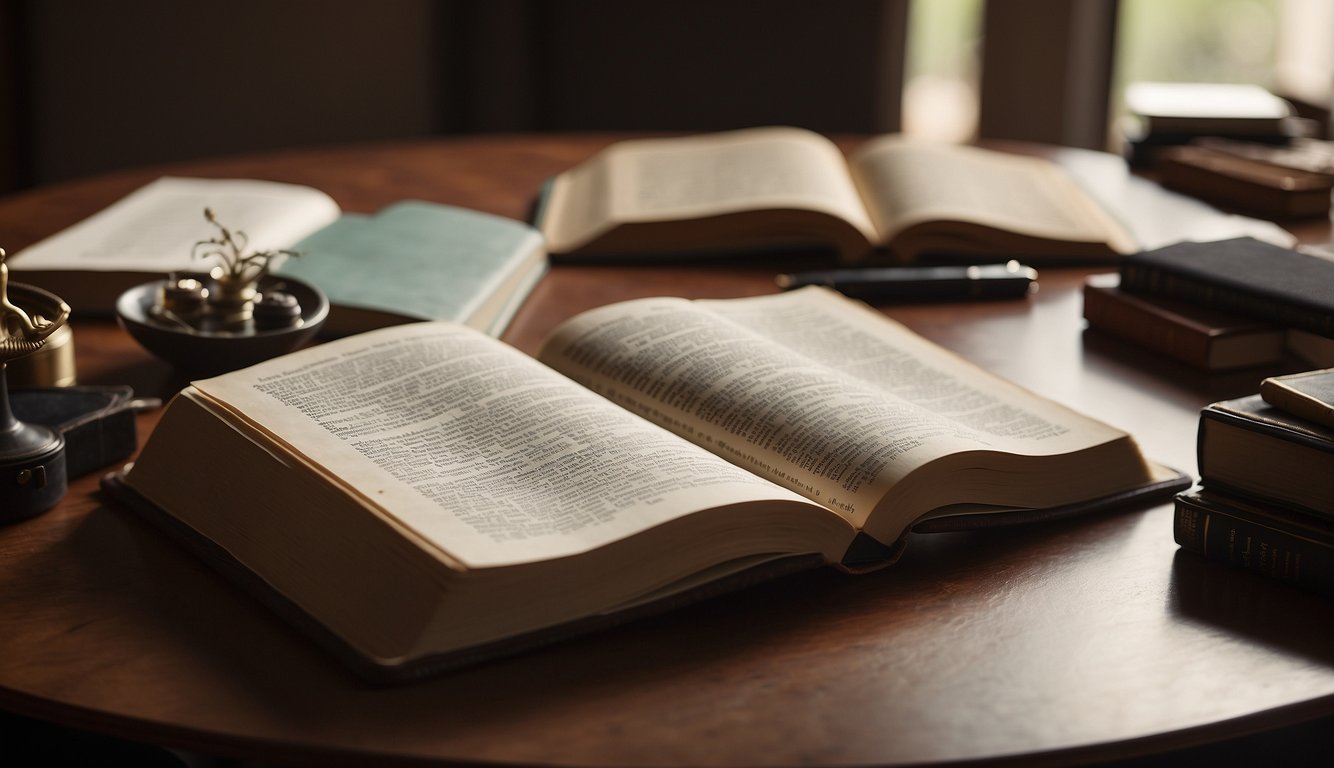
column 1313, row 349
column 1162, row 115
column 1269, row 540
column 1246, row 275
column 1245, row 184
column 1303, row 153
column 1250, row 447
column 1200, row 337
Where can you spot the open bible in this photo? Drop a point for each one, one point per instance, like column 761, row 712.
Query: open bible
column 764, row 188
column 424, row 495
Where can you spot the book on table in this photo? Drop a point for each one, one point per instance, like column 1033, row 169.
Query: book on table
column 1249, row 447
column 1266, row 538
column 1161, row 116
column 1208, row 109
column 412, row 260
column 1242, row 183
column 1266, row 504
column 1268, row 282
column 1308, row 395
column 1312, row 349
column 422, row 496
column 1201, row 337
column 779, row 187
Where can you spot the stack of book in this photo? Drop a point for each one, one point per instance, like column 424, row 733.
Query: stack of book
column 1265, row 502
column 1220, row 306
column 1163, row 115
column 1236, row 146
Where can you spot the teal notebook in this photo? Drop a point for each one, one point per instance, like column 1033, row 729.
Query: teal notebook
column 420, row 261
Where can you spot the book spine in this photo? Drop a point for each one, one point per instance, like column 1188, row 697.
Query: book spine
column 1155, row 281
column 1255, row 543
column 1159, row 334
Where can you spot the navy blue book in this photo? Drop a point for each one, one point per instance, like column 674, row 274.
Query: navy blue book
column 1245, row 275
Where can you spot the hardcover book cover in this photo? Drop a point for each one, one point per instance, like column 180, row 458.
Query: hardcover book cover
column 1269, row 282
column 1280, row 544
column 1204, row 338
column 1250, row 447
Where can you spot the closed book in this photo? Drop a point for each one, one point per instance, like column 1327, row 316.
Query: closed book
column 1245, row 184
column 1248, row 446
column 1207, row 109
column 1278, row 543
column 1313, row 349
column 1246, row 275
column 1200, row 337
column 1308, row 395
column 1302, row 153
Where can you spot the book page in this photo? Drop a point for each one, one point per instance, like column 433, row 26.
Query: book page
column 906, row 183
column 154, row 229
column 475, row 447
column 808, row 389
column 850, row 337
column 697, row 176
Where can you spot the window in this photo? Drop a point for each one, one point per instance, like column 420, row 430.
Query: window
column 1197, row 41
column 940, row 90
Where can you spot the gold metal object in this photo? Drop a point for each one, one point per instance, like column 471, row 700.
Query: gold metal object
column 34, row 352
column 32, row 456
column 23, row 332
column 50, row 366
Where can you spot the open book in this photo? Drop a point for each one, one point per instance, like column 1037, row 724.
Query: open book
column 424, row 495
column 787, row 187
column 410, row 261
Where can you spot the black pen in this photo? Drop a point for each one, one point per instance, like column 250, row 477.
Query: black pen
column 983, row 281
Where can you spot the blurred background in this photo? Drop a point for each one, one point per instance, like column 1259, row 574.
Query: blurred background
column 90, row 87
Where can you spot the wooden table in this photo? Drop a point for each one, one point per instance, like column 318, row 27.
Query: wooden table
column 1069, row 641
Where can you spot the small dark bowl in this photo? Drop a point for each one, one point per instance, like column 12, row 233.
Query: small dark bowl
column 200, row 353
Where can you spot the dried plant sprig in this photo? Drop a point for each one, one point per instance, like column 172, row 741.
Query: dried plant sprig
column 229, row 248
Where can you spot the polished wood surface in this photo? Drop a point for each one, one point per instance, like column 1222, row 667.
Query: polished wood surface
column 1076, row 640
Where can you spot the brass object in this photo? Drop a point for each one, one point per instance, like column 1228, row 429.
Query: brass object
column 32, row 457
column 52, row 365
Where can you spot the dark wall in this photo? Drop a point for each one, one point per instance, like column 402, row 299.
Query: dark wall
column 90, row 86
column 122, row 83
column 827, row 66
